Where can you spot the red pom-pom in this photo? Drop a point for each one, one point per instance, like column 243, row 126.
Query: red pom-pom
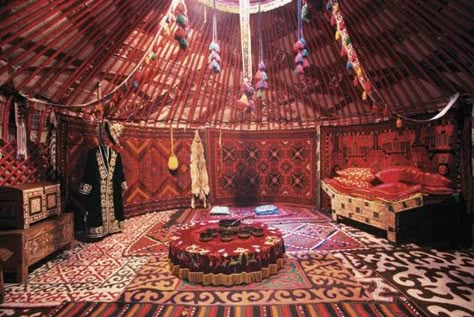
column 367, row 87
column 180, row 33
column 333, row 20
column 298, row 46
column 355, row 81
column 299, row 69
column 343, row 51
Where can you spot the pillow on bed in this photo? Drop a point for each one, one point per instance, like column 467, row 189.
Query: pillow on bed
column 437, row 190
column 395, row 173
column 357, row 173
column 220, row 210
column 352, row 183
column 425, row 178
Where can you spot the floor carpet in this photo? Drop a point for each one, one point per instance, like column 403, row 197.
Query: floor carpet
column 348, row 309
column 306, row 278
column 330, row 267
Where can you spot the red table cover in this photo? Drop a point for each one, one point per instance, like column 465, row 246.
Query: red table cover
column 225, row 263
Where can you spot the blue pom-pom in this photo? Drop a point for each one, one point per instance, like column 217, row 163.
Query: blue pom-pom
column 349, row 66
column 305, row 53
column 329, row 6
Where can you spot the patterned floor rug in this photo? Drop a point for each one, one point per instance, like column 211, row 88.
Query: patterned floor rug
column 440, row 283
column 356, row 273
column 306, row 278
column 288, row 213
column 309, row 232
column 347, row 309
column 90, row 272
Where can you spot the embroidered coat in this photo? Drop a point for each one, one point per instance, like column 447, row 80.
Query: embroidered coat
column 103, row 183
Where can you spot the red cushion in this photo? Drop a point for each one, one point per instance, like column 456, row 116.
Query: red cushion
column 395, row 191
column 352, row 183
column 412, row 175
column 394, row 174
column 358, row 173
column 425, row 178
column 437, row 190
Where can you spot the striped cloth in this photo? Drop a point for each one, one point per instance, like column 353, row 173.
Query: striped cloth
column 381, row 309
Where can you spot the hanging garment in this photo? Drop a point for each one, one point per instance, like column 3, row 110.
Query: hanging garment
column 103, row 183
column 199, row 176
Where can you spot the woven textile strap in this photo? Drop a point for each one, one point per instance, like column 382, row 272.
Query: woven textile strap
column 245, row 38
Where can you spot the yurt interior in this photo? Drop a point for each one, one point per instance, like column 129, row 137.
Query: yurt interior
column 236, row 158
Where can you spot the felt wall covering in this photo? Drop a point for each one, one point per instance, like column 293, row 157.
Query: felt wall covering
column 433, row 147
column 145, row 152
column 251, row 167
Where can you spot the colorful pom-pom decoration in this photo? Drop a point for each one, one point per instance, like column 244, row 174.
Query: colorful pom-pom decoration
column 181, row 20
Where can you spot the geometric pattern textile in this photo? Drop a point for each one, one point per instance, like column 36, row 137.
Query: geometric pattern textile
column 90, row 272
column 431, row 147
column 398, row 309
column 314, row 278
column 310, row 232
column 254, row 167
column 368, row 278
column 286, row 214
column 425, row 276
column 145, row 152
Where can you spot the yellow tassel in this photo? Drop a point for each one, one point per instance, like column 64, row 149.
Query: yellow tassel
column 364, row 95
column 335, row 8
column 338, row 35
column 359, row 72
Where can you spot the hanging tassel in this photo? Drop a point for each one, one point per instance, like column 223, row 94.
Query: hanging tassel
column 21, row 135
column 347, row 41
column 333, row 20
column 338, row 35
column 359, row 72
column 299, row 69
column 349, row 66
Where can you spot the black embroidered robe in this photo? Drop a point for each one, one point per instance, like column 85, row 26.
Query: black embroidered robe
column 103, row 183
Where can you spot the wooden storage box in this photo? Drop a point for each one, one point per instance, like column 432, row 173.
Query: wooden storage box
column 23, row 205
column 35, row 243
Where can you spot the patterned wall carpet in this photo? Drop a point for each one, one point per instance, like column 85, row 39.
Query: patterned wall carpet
column 279, row 166
column 353, row 273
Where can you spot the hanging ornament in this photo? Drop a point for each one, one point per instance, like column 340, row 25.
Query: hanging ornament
column 261, row 76
column 181, row 20
column 302, row 53
column 214, row 59
column 246, row 101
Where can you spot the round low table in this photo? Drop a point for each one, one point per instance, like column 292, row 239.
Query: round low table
column 217, row 262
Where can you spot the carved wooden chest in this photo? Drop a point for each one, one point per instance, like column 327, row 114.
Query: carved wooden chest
column 23, row 205
column 35, row 243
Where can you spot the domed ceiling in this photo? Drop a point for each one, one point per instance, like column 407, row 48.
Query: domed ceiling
column 413, row 55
